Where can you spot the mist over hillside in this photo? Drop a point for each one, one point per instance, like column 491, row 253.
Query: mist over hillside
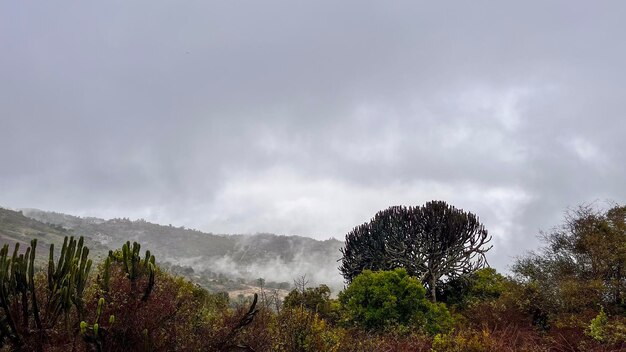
column 217, row 261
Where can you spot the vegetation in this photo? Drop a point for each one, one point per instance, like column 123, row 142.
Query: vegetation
column 581, row 268
column 431, row 242
column 569, row 296
column 314, row 299
column 187, row 252
column 391, row 299
column 482, row 285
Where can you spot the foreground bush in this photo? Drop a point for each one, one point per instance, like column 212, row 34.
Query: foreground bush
column 357, row 340
column 316, row 300
column 387, row 299
column 299, row 329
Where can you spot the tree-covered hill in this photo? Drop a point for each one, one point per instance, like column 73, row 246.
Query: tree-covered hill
column 15, row 227
column 218, row 261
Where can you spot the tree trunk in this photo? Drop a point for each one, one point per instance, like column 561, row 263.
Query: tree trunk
column 433, row 289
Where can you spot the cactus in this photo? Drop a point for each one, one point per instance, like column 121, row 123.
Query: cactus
column 135, row 266
column 17, row 283
column 150, row 285
column 94, row 334
column 8, row 295
column 67, row 279
column 31, row 286
column 132, row 260
column 106, row 274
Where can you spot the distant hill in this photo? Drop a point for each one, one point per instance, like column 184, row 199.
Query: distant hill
column 17, row 228
column 218, row 262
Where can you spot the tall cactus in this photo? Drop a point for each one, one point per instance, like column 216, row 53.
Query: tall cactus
column 31, row 285
column 150, row 285
column 106, row 273
column 135, row 266
column 17, row 283
column 67, row 280
column 8, row 294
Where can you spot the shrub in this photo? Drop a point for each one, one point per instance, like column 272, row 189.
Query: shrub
column 465, row 342
column 385, row 299
column 484, row 284
column 299, row 329
column 597, row 327
column 511, row 308
column 315, row 299
column 435, row 318
column 609, row 331
column 357, row 340
column 172, row 313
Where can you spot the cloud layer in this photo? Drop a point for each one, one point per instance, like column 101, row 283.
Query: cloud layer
column 297, row 118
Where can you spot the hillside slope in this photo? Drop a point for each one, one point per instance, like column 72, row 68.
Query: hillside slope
column 17, row 228
column 219, row 262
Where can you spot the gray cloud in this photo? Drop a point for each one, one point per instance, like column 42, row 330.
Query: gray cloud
column 308, row 118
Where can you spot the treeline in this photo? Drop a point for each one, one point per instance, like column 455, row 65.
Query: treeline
column 402, row 295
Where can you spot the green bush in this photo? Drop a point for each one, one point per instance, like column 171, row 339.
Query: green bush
column 299, row 329
column 435, row 318
column 315, row 299
column 484, row 284
column 391, row 299
column 610, row 331
column 597, row 326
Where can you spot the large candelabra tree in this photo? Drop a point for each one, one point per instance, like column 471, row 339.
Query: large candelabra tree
column 431, row 242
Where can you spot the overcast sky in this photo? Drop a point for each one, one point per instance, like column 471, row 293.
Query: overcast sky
column 307, row 118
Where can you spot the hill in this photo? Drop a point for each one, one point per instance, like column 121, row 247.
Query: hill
column 217, row 261
column 17, row 228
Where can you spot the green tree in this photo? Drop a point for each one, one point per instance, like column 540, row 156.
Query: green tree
column 583, row 262
column 382, row 299
column 431, row 242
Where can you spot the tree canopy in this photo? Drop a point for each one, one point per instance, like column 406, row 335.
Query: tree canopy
column 431, row 242
column 583, row 262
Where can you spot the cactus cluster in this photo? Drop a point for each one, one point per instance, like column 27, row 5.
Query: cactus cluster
column 135, row 266
column 17, row 283
column 66, row 282
column 68, row 278
column 24, row 325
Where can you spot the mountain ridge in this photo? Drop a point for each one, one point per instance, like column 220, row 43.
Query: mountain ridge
column 217, row 261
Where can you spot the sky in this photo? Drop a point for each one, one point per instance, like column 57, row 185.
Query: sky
column 308, row 117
